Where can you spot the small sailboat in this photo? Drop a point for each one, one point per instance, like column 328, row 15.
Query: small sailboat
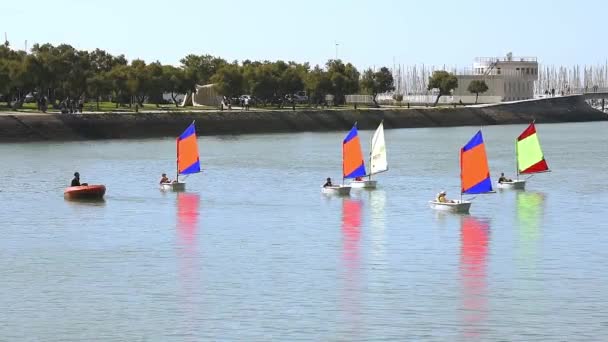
column 377, row 160
column 353, row 165
column 474, row 176
column 530, row 158
column 187, row 159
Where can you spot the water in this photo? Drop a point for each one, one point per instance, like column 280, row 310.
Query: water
column 254, row 252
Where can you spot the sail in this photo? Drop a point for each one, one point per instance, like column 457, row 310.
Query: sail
column 474, row 170
column 187, row 152
column 378, row 155
column 530, row 157
column 352, row 157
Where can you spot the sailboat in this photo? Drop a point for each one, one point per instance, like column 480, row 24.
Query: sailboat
column 377, row 160
column 353, row 165
column 530, row 159
column 474, row 176
column 187, row 159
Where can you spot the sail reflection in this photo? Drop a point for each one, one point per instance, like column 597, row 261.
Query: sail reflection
column 530, row 212
column 474, row 245
column 351, row 234
column 378, row 224
column 187, row 226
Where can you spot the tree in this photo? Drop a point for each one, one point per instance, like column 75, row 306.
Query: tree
column 444, row 82
column 318, row 85
column 398, row 98
column 175, row 82
column 344, row 78
column 97, row 86
column 200, row 69
column 229, row 80
column 261, row 81
column 476, row 87
column 290, row 82
column 377, row 82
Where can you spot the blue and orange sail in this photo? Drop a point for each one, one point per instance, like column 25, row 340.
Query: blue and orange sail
column 187, row 152
column 353, row 165
column 474, row 170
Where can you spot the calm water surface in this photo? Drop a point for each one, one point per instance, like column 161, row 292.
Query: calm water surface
column 254, row 252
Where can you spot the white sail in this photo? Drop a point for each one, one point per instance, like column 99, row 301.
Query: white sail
column 378, row 155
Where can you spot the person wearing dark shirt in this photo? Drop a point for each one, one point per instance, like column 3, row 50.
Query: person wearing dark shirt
column 76, row 180
column 328, row 183
column 503, row 179
column 164, row 179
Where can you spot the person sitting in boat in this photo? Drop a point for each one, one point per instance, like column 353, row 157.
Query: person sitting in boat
column 504, row 179
column 358, row 179
column 441, row 198
column 328, row 183
column 164, row 179
column 76, row 180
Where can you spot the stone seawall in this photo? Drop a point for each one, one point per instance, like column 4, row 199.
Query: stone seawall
column 36, row 127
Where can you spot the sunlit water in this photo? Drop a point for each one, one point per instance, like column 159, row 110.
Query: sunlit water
column 254, row 252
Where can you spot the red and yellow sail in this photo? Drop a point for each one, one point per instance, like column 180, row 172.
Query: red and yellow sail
column 474, row 170
column 530, row 158
column 352, row 157
column 187, row 152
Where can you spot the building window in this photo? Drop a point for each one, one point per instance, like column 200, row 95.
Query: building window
column 498, row 71
column 527, row 71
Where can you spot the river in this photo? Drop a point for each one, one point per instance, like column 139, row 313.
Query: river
column 254, row 252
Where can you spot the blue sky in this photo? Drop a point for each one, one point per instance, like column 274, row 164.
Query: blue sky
column 369, row 33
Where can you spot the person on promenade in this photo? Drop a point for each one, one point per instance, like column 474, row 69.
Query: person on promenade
column 246, row 103
column 503, row 179
column 328, row 183
column 164, row 179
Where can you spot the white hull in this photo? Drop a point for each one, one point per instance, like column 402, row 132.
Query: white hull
column 173, row 186
column 454, row 207
column 337, row 190
column 364, row 184
column 514, row 185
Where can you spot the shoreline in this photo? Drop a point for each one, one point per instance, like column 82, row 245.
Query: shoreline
column 24, row 127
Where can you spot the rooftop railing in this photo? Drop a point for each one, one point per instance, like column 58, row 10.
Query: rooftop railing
column 505, row 59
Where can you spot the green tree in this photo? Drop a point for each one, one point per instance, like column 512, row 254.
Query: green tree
column 318, row 85
column 291, row 82
column 229, row 80
column 261, row 81
column 200, row 69
column 98, row 85
column 344, row 77
column 444, row 81
column 477, row 87
column 175, row 82
column 377, row 82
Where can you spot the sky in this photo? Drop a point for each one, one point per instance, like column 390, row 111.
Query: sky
column 368, row 33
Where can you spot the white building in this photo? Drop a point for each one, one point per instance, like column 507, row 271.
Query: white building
column 508, row 78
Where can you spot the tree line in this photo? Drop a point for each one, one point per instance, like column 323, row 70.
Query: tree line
column 62, row 72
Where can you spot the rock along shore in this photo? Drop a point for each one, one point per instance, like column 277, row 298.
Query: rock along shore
column 19, row 127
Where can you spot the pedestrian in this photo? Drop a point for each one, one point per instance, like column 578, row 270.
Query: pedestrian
column 246, row 102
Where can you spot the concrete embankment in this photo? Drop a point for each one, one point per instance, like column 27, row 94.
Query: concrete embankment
column 36, row 127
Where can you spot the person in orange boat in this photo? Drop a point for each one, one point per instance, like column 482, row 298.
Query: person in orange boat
column 76, row 180
column 164, row 179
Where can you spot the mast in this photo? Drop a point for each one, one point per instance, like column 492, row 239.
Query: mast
column 177, row 160
column 516, row 160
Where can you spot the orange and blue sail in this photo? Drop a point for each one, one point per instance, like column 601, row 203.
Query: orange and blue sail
column 353, row 165
column 530, row 158
column 187, row 152
column 474, row 170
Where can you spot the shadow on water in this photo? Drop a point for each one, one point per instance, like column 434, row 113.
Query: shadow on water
column 97, row 202
column 351, row 287
column 188, row 256
column 474, row 246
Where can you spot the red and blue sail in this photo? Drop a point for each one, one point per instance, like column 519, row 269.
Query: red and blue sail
column 187, row 152
column 474, row 170
column 353, row 165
